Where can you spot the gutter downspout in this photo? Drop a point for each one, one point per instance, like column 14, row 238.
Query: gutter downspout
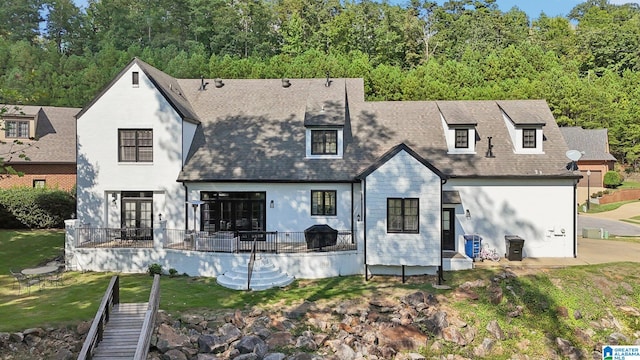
column 363, row 217
column 186, row 207
column 575, row 219
column 441, row 268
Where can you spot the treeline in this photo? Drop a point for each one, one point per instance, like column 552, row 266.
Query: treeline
column 587, row 65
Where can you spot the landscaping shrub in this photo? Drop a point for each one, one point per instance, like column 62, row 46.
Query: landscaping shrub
column 31, row 208
column 612, row 179
column 154, row 269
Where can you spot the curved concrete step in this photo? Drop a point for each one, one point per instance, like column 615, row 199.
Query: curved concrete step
column 265, row 276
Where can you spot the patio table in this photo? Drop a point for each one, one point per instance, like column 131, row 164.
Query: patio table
column 41, row 270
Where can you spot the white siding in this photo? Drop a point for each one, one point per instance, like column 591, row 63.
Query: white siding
column 540, row 211
column 292, row 203
column 125, row 106
column 403, row 177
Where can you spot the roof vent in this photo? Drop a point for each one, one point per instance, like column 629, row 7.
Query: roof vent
column 328, row 82
column 203, row 85
column 489, row 153
column 218, row 83
column 286, row 83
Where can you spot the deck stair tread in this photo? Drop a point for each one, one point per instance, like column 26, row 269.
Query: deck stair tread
column 120, row 337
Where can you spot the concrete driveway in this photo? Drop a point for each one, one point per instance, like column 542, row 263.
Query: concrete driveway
column 611, row 220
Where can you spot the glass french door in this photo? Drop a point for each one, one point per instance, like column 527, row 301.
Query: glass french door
column 137, row 214
column 233, row 211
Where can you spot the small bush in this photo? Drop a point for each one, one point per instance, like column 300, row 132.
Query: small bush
column 612, row 179
column 155, row 269
column 35, row 208
column 173, row 272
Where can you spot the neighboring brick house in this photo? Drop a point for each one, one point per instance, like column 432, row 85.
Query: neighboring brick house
column 594, row 146
column 48, row 139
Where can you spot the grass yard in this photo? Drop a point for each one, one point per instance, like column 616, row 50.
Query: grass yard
column 596, row 291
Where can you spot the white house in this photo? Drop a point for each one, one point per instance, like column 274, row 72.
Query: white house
column 197, row 167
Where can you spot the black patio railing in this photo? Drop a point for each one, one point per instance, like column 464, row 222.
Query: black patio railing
column 222, row 241
column 266, row 241
column 114, row 237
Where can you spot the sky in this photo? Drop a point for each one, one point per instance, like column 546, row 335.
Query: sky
column 533, row 8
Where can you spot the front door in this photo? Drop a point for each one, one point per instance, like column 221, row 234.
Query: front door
column 448, row 229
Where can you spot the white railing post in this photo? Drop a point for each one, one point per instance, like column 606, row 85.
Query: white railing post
column 70, row 238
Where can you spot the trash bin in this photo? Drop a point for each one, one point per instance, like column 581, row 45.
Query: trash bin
column 472, row 245
column 514, row 246
column 319, row 236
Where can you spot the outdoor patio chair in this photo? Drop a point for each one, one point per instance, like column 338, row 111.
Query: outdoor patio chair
column 56, row 277
column 22, row 281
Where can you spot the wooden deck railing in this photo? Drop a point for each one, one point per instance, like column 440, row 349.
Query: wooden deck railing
column 94, row 336
column 149, row 321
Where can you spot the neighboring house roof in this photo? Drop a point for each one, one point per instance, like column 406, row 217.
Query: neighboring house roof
column 592, row 143
column 55, row 134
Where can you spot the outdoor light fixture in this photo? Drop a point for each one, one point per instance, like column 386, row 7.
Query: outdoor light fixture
column 114, row 198
column 588, row 189
column 467, row 214
column 271, row 204
column 160, row 216
column 358, row 217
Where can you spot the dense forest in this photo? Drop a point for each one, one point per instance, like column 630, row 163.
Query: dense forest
column 587, row 65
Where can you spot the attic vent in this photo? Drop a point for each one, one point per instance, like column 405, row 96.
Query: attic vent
column 203, row 85
column 489, row 153
column 218, row 83
column 286, row 83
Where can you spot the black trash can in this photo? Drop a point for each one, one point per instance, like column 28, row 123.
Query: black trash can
column 319, row 236
column 514, row 245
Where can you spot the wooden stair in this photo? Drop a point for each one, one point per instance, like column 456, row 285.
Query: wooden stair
column 120, row 337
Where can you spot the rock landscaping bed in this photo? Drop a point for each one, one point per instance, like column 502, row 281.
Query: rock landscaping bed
column 395, row 323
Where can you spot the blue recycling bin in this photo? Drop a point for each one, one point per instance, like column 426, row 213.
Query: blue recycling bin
column 472, row 245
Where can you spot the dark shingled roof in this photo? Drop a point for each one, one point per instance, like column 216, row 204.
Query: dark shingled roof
column 593, row 143
column 254, row 130
column 55, row 133
column 524, row 112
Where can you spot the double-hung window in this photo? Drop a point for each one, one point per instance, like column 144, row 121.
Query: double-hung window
column 16, row 129
column 402, row 215
column 462, row 138
column 529, row 138
column 135, row 145
column 323, row 202
column 324, row 142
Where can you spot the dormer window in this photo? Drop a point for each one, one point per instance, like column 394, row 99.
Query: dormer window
column 324, row 142
column 529, row 138
column 462, row 138
column 15, row 129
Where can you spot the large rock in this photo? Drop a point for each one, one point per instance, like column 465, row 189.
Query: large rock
column 169, row 338
column 252, row 344
column 401, row 337
column 211, row 344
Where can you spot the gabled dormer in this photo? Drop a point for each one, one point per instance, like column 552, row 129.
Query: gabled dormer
column 17, row 125
column 525, row 127
column 324, row 120
column 459, row 126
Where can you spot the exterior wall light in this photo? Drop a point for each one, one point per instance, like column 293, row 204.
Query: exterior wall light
column 467, row 214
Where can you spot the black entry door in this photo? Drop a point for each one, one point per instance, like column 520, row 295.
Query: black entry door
column 448, row 229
